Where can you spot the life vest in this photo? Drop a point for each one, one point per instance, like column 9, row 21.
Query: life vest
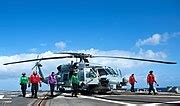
column 150, row 79
column 74, row 79
column 132, row 79
column 52, row 79
column 23, row 80
column 35, row 79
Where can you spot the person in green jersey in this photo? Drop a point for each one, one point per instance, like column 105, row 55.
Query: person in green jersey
column 75, row 84
column 23, row 83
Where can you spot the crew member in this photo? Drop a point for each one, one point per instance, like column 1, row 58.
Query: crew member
column 75, row 84
column 132, row 81
column 151, row 80
column 23, row 83
column 35, row 82
column 52, row 81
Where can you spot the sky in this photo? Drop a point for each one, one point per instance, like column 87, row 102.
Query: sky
column 144, row 29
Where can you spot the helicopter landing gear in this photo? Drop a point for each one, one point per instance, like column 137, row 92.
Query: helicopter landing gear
column 89, row 89
column 103, row 86
column 61, row 89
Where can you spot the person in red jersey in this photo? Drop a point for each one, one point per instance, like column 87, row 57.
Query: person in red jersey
column 132, row 81
column 151, row 80
column 35, row 81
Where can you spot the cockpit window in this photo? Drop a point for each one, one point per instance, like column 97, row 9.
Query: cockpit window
column 102, row 72
column 111, row 71
column 91, row 74
column 81, row 75
column 107, row 70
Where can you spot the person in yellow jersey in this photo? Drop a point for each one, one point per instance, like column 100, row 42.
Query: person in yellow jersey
column 23, row 83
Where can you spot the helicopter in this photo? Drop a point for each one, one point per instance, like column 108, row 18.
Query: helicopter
column 93, row 78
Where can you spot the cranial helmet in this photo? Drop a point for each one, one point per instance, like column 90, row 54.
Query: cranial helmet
column 34, row 72
column 151, row 71
column 23, row 73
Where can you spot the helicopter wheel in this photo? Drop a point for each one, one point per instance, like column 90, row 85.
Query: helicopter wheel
column 61, row 89
column 89, row 90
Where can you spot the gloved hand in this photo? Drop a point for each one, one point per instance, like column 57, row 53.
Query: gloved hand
column 157, row 84
column 40, row 85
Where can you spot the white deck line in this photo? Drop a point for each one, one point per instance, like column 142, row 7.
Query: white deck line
column 105, row 100
column 119, row 102
column 174, row 102
column 1, row 96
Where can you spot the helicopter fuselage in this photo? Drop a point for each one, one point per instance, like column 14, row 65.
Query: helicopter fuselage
column 97, row 76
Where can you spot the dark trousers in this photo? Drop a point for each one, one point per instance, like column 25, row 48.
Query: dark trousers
column 75, row 89
column 132, row 88
column 34, row 89
column 23, row 89
column 151, row 88
column 52, row 86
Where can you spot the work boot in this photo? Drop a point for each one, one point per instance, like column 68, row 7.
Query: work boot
column 155, row 93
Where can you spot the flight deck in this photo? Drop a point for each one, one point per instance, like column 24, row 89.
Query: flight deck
column 65, row 99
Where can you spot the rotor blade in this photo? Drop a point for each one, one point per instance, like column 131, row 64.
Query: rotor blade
column 36, row 63
column 77, row 55
column 138, row 59
column 34, row 66
column 37, row 56
column 48, row 58
column 71, row 53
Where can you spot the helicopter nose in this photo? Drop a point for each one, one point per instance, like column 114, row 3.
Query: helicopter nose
column 104, row 81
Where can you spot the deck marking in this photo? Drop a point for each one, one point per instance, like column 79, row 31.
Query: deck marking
column 105, row 100
column 1, row 96
column 174, row 102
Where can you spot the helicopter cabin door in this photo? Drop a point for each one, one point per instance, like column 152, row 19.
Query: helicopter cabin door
column 90, row 76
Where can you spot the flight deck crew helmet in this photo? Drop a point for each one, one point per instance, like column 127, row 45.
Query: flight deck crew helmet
column 23, row 73
column 151, row 72
column 34, row 72
column 53, row 73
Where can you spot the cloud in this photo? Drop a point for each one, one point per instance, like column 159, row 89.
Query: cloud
column 157, row 39
column 60, row 45
column 152, row 55
column 153, row 40
column 33, row 50
column 12, row 71
column 176, row 34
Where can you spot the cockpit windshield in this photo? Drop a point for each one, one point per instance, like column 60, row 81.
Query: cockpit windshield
column 111, row 71
column 90, row 74
column 102, row 72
